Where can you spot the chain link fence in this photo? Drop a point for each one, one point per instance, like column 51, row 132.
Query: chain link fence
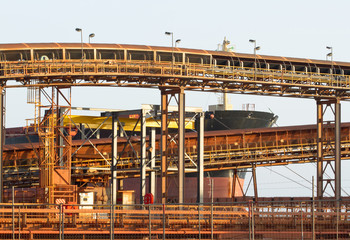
column 238, row 220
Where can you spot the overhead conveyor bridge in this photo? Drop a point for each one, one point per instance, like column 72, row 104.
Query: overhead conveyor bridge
column 62, row 64
column 228, row 149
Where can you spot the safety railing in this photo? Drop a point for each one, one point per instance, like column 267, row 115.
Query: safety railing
column 285, row 77
column 238, row 220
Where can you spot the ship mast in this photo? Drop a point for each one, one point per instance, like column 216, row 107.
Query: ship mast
column 225, row 99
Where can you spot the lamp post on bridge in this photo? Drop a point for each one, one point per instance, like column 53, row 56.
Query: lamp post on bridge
column 82, row 48
column 330, row 55
column 172, row 49
column 91, row 36
column 177, row 42
column 256, row 48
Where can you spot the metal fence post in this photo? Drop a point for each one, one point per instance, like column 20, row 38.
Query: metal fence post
column 60, row 222
column 149, row 222
column 302, row 227
column 313, row 221
column 13, row 212
column 199, row 221
column 163, row 221
column 19, row 223
column 211, row 209
column 253, row 237
column 111, row 221
column 313, row 209
column 338, row 208
column 211, row 221
column 62, row 207
column 249, row 220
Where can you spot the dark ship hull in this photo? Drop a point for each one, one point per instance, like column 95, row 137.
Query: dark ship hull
column 236, row 119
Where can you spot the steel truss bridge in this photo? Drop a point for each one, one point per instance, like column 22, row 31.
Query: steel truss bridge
column 173, row 71
column 227, row 149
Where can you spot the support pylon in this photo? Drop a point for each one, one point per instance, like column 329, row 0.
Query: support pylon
column 55, row 139
column 2, row 140
column 328, row 149
column 179, row 96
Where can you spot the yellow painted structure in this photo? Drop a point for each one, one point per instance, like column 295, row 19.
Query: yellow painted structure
column 128, row 123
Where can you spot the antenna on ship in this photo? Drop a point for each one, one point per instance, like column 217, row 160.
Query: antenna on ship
column 226, row 48
column 225, row 45
column 224, row 100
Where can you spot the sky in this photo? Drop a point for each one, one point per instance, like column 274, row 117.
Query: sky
column 296, row 28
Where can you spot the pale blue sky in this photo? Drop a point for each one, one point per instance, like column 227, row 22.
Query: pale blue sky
column 296, row 28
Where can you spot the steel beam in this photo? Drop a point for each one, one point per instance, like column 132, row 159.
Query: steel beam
column 114, row 162
column 143, row 163
column 60, row 141
column 235, row 182
column 337, row 150
column 180, row 136
column 200, row 157
column 1, row 142
column 163, row 146
column 181, row 145
column 82, row 128
column 255, row 182
column 328, row 143
column 152, row 152
column 319, row 150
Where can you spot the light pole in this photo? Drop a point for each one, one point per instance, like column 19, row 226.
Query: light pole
column 172, row 50
column 256, row 48
column 82, row 48
column 91, row 36
column 330, row 55
column 177, row 42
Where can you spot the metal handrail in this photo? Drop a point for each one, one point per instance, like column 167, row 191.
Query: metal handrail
column 283, row 77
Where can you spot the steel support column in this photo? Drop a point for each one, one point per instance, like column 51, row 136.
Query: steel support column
column 255, row 182
column 180, row 139
column 200, row 157
column 328, row 149
column 55, row 154
column 337, row 150
column 181, row 145
column 164, row 141
column 1, row 142
column 143, row 163
column 59, row 136
column 319, row 150
column 152, row 151
column 82, row 128
column 235, row 181
column 114, row 160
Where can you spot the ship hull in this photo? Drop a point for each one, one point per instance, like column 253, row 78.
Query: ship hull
column 235, row 119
